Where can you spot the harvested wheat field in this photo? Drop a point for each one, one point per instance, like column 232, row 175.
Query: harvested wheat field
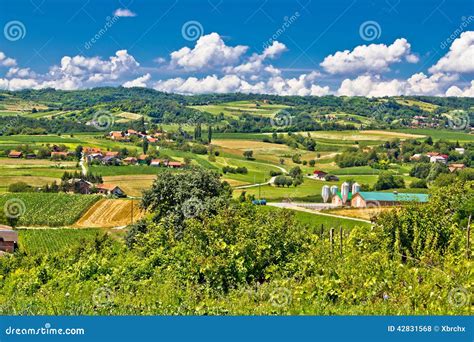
column 108, row 213
column 361, row 213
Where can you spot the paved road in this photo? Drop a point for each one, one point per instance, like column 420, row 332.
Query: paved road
column 81, row 163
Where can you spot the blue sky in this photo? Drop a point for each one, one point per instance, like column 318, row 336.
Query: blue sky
column 304, row 47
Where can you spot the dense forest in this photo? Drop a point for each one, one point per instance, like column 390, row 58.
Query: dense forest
column 307, row 112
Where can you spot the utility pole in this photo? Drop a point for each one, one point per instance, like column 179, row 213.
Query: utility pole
column 468, row 243
column 131, row 213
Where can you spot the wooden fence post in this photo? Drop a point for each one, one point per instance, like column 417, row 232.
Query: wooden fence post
column 340, row 241
column 468, row 243
column 331, row 239
column 322, row 230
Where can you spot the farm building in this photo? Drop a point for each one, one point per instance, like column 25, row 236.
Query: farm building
column 15, row 154
column 460, row 150
column 8, row 239
column 337, row 199
column 110, row 189
column 318, row 174
column 364, row 199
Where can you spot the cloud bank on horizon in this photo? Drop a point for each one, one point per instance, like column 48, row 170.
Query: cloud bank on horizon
column 212, row 66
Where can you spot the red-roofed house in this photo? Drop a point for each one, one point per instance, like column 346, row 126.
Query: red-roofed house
column 175, row 164
column 15, row 154
column 59, row 155
column 456, row 167
column 110, row 189
column 111, row 154
column 130, row 160
column 318, row 174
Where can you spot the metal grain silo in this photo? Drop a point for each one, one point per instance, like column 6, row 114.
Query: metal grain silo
column 344, row 191
column 325, row 193
column 355, row 188
column 333, row 190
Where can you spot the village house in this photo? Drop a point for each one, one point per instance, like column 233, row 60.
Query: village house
column 131, row 132
column 320, row 175
column 130, row 160
column 59, row 155
column 8, row 239
column 456, row 167
column 116, row 135
column 79, row 186
column 91, row 150
column 112, row 154
column 30, row 156
column 416, row 157
column 15, row 154
column 110, row 190
column 151, row 139
column 158, row 162
column 142, row 158
column 94, row 156
column 460, row 150
column 111, row 160
column 175, row 164
column 441, row 158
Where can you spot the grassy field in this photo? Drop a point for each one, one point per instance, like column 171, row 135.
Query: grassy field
column 43, row 241
column 237, row 108
column 46, row 209
column 437, row 134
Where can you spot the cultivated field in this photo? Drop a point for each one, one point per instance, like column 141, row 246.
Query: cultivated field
column 43, row 241
column 46, row 209
column 108, row 213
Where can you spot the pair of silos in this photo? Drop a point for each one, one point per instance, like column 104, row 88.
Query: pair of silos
column 328, row 192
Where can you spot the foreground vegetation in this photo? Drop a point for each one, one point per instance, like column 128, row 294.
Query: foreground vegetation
column 226, row 257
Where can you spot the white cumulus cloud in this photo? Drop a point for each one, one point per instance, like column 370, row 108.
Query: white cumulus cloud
column 138, row 82
column 210, row 51
column 368, row 58
column 460, row 57
column 124, row 12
